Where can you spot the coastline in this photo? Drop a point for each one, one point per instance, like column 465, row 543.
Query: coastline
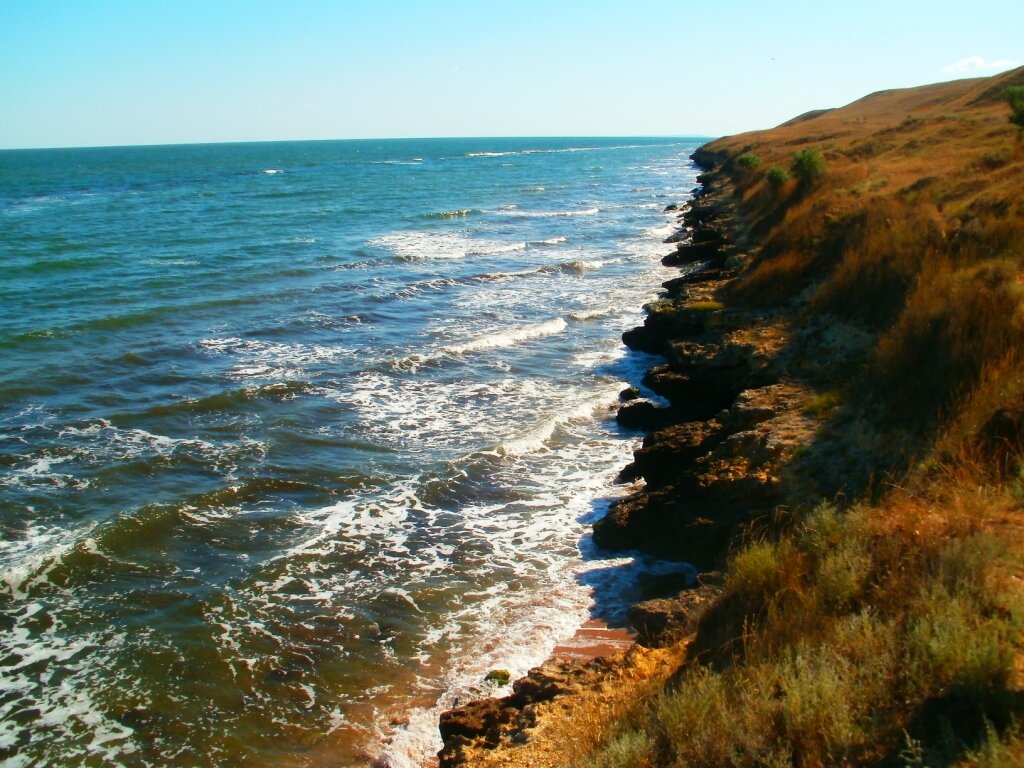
column 707, row 254
column 398, row 441
column 844, row 420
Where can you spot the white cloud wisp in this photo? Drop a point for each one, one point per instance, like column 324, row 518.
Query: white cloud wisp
column 976, row 63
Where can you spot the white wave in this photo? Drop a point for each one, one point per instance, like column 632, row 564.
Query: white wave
column 52, row 681
column 508, row 337
column 498, row 277
column 554, row 214
column 417, row 245
column 423, row 415
column 661, row 231
column 495, row 248
column 579, row 266
column 576, row 266
column 273, row 361
column 535, row 439
column 272, row 171
column 38, row 472
column 123, row 444
column 595, row 358
column 559, row 150
column 26, row 562
column 583, row 315
column 99, row 443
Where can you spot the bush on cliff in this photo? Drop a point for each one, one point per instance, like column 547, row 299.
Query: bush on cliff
column 777, row 177
column 748, row 161
column 955, row 326
column 848, row 640
column 889, row 632
column 1014, row 96
column 808, row 166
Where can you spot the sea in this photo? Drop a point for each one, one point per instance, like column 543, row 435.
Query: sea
column 299, row 440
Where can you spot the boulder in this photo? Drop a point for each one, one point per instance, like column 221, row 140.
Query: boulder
column 666, row 453
column 499, row 676
column 481, row 718
column 664, row 522
column 693, row 253
column 664, row 621
column 629, row 394
column 717, row 387
column 677, row 285
column 643, row 415
column 708, row 235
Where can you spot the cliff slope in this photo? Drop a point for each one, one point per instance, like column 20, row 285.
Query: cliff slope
column 844, row 363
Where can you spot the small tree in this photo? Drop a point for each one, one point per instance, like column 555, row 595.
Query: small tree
column 1014, row 96
column 748, row 161
column 777, row 177
column 808, row 166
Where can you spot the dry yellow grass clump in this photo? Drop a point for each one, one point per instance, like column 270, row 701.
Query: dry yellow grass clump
column 885, row 625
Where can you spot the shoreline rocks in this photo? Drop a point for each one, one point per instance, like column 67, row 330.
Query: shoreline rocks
column 712, row 460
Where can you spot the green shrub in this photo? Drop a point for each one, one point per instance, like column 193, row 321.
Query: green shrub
column 748, row 161
column 627, row 750
column 999, row 750
column 757, row 570
column 777, row 177
column 951, row 642
column 1014, row 96
column 705, row 306
column 841, row 579
column 823, row 404
column 808, row 166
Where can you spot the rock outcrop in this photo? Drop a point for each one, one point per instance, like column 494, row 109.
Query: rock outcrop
column 714, row 459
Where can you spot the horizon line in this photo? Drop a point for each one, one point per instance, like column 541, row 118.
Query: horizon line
column 708, row 137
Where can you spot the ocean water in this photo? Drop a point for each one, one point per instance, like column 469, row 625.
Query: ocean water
column 299, row 440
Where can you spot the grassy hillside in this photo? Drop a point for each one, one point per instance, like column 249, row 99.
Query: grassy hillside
column 876, row 616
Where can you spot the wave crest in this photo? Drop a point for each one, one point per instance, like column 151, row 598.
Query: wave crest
column 509, row 337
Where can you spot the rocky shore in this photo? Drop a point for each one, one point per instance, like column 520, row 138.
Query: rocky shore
column 713, row 460
column 836, row 445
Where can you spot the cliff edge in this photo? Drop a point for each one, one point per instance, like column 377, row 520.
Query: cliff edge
column 843, row 346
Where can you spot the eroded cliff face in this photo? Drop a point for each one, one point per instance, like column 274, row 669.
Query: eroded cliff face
column 854, row 336
column 713, row 460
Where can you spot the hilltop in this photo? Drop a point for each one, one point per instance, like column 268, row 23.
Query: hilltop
column 844, row 363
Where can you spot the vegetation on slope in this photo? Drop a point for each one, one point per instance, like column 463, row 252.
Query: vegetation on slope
column 877, row 619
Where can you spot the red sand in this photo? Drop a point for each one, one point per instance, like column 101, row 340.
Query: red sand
column 593, row 640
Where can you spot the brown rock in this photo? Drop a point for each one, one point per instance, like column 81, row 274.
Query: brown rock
column 692, row 253
column 664, row 621
column 666, row 453
column 475, row 719
column 643, row 415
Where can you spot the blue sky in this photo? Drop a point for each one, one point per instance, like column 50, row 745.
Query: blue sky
column 101, row 72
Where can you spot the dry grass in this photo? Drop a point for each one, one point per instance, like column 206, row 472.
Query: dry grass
column 834, row 644
column 916, row 235
column 957, row 323
column 889, row 631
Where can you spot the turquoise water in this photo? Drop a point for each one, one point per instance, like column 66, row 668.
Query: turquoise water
column 298, row 440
